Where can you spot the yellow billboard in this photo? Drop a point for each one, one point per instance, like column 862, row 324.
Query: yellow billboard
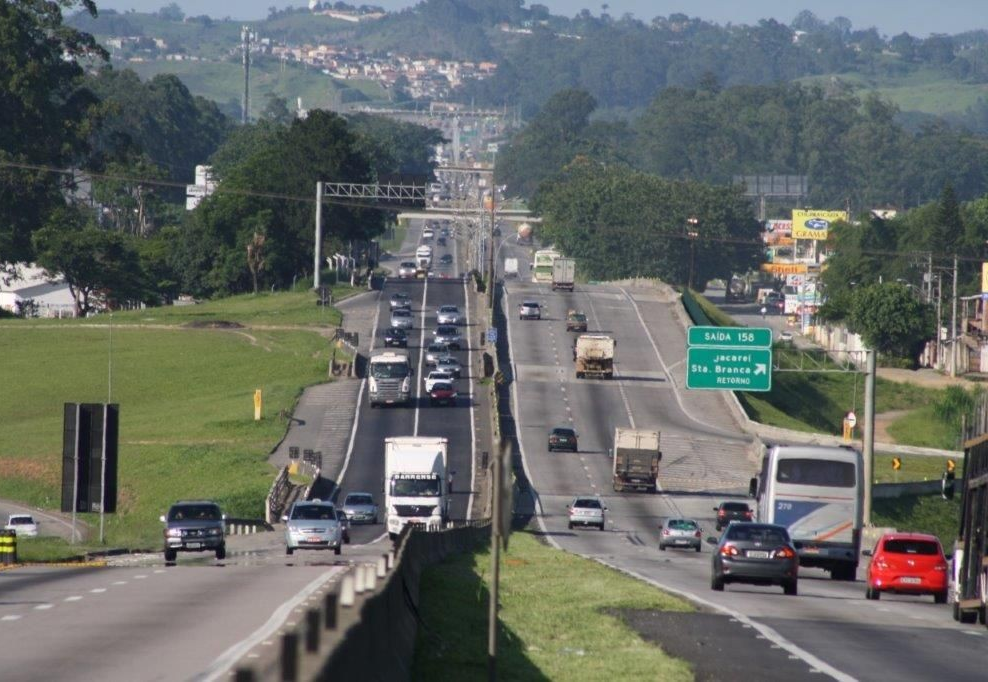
column 810, row 224
column 984, row 278
column 785, row 268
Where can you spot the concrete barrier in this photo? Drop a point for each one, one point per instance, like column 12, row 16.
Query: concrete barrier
column 362, row 625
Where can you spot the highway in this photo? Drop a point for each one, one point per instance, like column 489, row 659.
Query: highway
column 138, row 619
column 830, row 626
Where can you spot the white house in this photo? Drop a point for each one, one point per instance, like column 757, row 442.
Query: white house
column 53, row 299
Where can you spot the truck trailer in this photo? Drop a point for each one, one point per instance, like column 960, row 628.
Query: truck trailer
column 969, row 593
column 563, row 274
column 636, row 459
column 416, row 485
column 594, row 356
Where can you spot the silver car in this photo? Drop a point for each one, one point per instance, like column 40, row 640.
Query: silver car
column 449, row 364
column 586, row 511
column 402, row 318
column 449, row 314
column 448, row 334
column 406, row 269
column 400, row 300
column 434, row 351
column 312, row 525
column 680, row 533
column 529, row 310
column 360, row 508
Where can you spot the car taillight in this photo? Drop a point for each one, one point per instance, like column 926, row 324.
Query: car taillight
column 940, row 567
column 881, row 565
column 721, row 512
column 729, row 550
column 747, row 514
column 665, row 531
column 698, row 534
column 783, row 553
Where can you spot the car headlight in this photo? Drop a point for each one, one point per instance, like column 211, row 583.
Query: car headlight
column 214, row 531
column 174, row 532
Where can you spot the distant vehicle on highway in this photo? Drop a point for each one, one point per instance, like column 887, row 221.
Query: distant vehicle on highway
column 562, row 438
column 312, row 525
column 441, row 241
column 529, row 310
column 757, row 554
column 449, row 364
column 785, row 336
column 576, row 321
column 817, row 493
column 23, row 525
column 435, row 376
column 448, row 334
column 434, row 351
column 442, row 393
column 449, row 314
column 400, row 300
column 407, row 269
column 446, row 259
column 680, row 533
column 586, row 511
column 194, row 526
column 395, row 336
column 402, row 318
column 907, row 563
column 732, row 511
column 428, row 234
column 361, row 508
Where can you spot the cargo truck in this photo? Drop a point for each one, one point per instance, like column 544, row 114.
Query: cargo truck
column 416, row 485
column 563, row 274
column 969, row 592
column 389, row 379
column 636, row 459
column 594, row 356
column 510, row 268
column 423, row 260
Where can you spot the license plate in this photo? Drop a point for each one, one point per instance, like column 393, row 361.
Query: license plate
column 811, row 550
column 313, row 539
column 193, row 545
column 910, row 581
column 756, row 554
column 680, row 541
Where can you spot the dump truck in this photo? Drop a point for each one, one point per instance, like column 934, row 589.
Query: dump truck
column 563, row 274
column 594, row 356
column 636, row 459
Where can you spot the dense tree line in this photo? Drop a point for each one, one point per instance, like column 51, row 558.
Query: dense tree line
column 623, row 223
column 853, row 151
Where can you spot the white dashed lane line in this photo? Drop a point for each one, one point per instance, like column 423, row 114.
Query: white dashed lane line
column 13, row 617
column 73, row 598
column 98, row 590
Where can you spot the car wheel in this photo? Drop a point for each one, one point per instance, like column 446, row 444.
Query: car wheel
column 570, row 526
column 602, row 526
column 289, row 550
column 698, row 547
column 967, row 617
column 221, row 552
column 790, row 588
column 376, row 521
column 662, row 547
column 170, row 555
column 873, row 594
column 337, row 550
column 717, row 584
column 940, row 597
column 346, row 538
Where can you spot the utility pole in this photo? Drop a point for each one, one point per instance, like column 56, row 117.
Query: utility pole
column 929, row 278
column 318, row 245
column 869, row 435
column 953, row 325
column 492, row 268
column 245, row 37
column 939, row 346
column 495, row 564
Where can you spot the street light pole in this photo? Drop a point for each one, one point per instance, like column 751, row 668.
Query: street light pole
column 692, row 233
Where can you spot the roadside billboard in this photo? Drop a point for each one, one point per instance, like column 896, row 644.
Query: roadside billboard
column 810, row 224
column 784, row 268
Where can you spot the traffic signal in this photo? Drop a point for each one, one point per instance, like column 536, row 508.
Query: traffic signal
column 896, row 463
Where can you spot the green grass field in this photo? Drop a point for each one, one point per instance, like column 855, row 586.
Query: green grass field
column 921, row 427
column 554, row 619
column 186, row 402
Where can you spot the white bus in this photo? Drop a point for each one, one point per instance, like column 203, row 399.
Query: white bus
column 817, row 493
column 542, row 265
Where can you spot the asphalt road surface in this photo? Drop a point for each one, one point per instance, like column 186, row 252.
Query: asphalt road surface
column 830, row 626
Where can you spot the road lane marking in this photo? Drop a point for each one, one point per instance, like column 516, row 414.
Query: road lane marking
column 11, row 618
column 98, row 590
column 120, row 582
column 43, row 607
column 620, row 383
column 473, row 419
column 229, row 658
column 140, row 577
column 420, row 382
column 73, row 598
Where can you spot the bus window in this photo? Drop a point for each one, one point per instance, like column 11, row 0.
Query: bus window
column 816, row 472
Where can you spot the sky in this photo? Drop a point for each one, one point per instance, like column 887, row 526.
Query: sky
column 917, row 17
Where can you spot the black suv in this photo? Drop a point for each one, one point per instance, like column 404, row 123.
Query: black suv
column 562, row 439
column 194, row 526
column 732, row 511
column 395, row 336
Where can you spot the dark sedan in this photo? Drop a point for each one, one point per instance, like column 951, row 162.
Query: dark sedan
column 395, row 336
column 754, row 553
column 562, row 439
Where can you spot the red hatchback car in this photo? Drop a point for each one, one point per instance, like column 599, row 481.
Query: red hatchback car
column 908, row 563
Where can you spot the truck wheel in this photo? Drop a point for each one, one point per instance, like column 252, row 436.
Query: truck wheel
column 967, row 617
column 337, row 550
column 717, row 584
column 602, row 526
column 871, row 594
column 790, row 588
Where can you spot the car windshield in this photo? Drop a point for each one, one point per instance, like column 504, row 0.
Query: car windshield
column 21, row 520
column 389, row 370
column 359, row 499
column 415, row 487
column 562, row 432
column 735, row 506
column 442, row 386
column 682, row 524
column 401, row 313
column 407, row 264
column 447, row 361
column 439, row 376
column 446, row 331
column 448, row 309
column 578, row 317
column 313, row 512
column 438, row 348
column 920, row 547
column 530, row 304
column 195, row 512
column 764, row 534
column 587, row 504
column 399, row 297
column 396, row 331
column 821, row 472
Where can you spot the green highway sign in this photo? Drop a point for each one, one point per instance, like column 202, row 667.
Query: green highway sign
column 730, row 337
column 732, row 369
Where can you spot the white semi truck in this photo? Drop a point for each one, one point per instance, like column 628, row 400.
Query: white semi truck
column 416, row 483
column 423, row 260
column 389, row 379
column 563, row 274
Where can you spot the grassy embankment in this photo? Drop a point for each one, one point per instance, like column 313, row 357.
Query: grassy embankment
column 186, row 402
column 554, row 620
column 393, row 244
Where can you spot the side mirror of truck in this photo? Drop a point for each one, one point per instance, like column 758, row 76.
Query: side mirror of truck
column 753, row 487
